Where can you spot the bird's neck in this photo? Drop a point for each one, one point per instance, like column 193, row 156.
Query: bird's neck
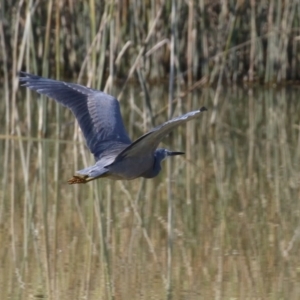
column 155, row 169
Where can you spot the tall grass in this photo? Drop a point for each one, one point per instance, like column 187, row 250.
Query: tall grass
column 215, row 43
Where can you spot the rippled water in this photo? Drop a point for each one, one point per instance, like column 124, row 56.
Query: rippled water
column 235, row 198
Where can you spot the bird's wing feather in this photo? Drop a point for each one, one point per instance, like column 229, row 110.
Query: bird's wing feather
column 97, row 113
column 149, row 141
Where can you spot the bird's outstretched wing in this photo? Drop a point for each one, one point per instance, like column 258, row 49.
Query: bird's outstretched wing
column 97, row 113
column 149, row 141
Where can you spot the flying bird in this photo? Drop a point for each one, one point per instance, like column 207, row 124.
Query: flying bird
column 100, row 120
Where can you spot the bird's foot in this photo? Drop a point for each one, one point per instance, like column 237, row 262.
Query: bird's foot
column 77, row 179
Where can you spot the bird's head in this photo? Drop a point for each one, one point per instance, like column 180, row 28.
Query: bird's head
column 160, row 154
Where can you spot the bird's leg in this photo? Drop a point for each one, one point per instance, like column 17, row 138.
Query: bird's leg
column 88, row 174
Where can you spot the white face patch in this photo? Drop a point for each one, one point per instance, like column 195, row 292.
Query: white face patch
column 165, row 154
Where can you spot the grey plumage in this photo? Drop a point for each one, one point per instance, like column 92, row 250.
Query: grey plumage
column 100, row 120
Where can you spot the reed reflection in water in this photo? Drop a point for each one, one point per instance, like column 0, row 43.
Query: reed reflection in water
column 236, row 214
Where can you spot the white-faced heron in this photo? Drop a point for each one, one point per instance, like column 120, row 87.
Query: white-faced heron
column 100, row 120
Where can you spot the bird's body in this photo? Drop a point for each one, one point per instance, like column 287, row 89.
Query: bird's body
column 100, row 120
column 107, row 167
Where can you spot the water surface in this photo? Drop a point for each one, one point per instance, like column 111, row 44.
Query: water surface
column 235, row 198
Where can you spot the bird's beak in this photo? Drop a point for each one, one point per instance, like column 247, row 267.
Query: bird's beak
column 173, row 153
